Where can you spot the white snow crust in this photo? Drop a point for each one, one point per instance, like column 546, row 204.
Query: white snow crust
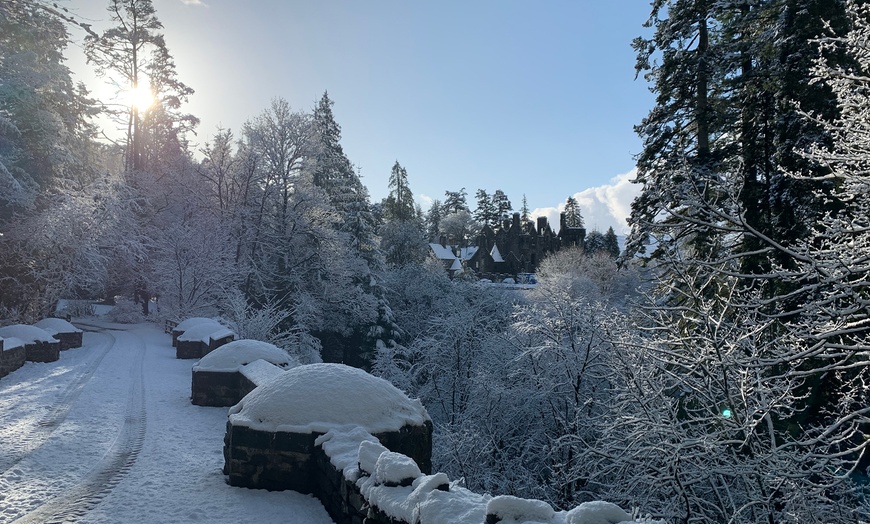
column 57, row 325
column 28, row 334
column 232, row 356
column 321, row 397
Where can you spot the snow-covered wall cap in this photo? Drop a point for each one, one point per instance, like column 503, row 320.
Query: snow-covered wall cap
column 28, row 334
column 232, row 356
column 203, row 332
column 321, row 397
column 193, row 321
column 57, row 325
column 260, row 372
column 11, row 343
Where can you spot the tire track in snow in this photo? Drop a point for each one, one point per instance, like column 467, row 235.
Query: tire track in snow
column 77, row 501
column 46, row 425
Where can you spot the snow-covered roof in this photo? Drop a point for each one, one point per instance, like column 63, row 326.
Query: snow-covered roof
column 57, row 325
column 456, row 265
column 465, row 253
column 232, row 356
column 28, row 334
column 320, row 397
column 496, row 254
column 193, row 321
column 204, row 332
column 11, row 343
column 442, row 252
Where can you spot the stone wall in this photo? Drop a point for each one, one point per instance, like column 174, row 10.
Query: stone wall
column 11, row 359
column 42, row 351
column 282, row 460
column 190, row 349
column 219, row 388
column 69, row 340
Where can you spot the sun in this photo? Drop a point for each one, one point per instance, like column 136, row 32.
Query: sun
column 140, row 97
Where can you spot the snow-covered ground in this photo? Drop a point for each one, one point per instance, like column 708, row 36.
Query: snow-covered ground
column 107, row 434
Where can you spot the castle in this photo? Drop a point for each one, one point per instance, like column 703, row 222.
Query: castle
column 512, row 249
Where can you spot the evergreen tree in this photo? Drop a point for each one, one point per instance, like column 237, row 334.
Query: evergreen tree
column 501, row 203
column 454, row 201
column 611, row 243
column 433, row 221
column 333, row 172
column 573, row 218
column 399, row 204
column 524, row 211
column 486, row 212
column 135, row 54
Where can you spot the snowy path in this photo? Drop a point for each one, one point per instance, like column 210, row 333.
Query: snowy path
column 108, row 434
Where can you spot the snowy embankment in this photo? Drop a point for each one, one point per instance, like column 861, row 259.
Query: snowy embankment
column 107, row 434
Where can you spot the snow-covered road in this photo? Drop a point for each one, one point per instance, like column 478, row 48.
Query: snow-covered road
column 108, row 435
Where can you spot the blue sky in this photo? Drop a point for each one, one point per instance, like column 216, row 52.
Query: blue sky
column 534, row 98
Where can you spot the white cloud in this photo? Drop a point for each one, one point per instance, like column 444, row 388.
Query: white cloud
column 425, row 201
column 602, row 207
column 193, row 2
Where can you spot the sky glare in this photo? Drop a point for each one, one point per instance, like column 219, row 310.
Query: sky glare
column 534, row 98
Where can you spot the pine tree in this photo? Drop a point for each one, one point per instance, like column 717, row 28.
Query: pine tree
column 333, row 172
column 399, row 204
column 134, row 51
column 573, row 218
column 454, row 202
column 524, row 211
column 501, row 203
column 611, row 243
column 433, row 221
column 486, row 212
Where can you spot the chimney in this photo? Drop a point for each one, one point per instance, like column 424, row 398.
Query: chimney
column 516, row 221
column 542, row 225
column 562, row 221
column 443, row 241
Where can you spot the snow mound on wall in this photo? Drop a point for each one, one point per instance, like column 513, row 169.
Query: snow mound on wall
column 320, row 397
column 597, row 512
column 232, row 356
column 186, row 324
column 396, row 469
column 57, row 325
column 11, row 343
column 28, row 334
column 509, row 508
column 203, row 332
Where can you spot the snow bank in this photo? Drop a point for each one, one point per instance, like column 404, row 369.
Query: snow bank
column 27, row 334
column 57, row 325
column 232, row 356
column 368, row 456
column 321, row 397
column 204, row 333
